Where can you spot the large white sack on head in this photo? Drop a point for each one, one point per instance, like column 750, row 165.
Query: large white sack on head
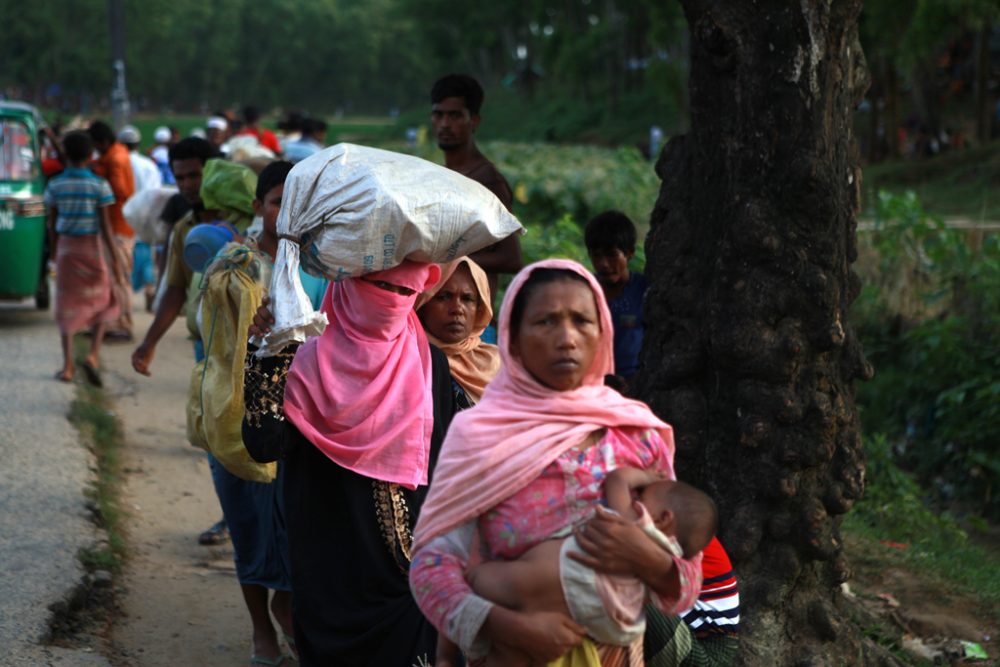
column 354, row 210
column 142, row 212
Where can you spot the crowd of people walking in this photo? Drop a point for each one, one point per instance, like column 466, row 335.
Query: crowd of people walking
column 423, row 483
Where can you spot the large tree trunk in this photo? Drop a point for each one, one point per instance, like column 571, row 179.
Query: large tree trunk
column 748, row 351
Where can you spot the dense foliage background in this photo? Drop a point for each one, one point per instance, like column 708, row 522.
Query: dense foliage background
column 568, row 70
column 331, row 55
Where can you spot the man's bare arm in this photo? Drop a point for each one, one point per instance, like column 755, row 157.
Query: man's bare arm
column 501, row 257
column 170, row 308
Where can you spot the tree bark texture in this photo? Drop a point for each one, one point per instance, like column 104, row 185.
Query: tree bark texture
column 748, row 351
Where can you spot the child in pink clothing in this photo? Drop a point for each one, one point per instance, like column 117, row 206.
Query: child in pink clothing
column 677, row 516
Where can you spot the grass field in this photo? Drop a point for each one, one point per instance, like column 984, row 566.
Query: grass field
column 957, row 184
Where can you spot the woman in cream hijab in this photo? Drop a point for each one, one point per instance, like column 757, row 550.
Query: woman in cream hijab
column 455, row 312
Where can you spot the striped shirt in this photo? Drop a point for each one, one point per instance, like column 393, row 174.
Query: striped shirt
column 717, row 610
column 77, row 194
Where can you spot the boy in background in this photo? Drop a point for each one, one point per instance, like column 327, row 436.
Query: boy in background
column 610, row 237
column 77, row 204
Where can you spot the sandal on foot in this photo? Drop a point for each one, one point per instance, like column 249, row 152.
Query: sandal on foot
column 93, row 376
column 271, row 662
column 290, row 640
column 62, row 377
column 214, row 536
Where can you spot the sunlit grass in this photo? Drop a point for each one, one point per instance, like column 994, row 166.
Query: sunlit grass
column 100, row 430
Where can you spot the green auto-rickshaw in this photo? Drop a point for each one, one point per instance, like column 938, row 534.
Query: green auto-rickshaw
column 22, row 208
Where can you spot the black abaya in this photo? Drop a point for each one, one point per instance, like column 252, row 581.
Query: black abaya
column 351, row 600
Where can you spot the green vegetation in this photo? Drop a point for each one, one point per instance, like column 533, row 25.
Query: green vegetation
column 618, row 59
column 930, row 63
column 582, row 181
column 99, row 428
column 929, row 319
column 573, row 71
column 553, row 181
column 894, row 511
column 558, row 117
column 956, row 184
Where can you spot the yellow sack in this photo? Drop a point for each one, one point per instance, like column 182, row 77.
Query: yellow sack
column 584, row 655
column 232, row 289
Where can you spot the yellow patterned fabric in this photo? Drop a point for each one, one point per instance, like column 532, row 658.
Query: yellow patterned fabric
column 584, row 655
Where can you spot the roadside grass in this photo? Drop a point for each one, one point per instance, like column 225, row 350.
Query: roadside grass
column 100, row 429
column 954, row 184
column 894, row 519
column 82, row 618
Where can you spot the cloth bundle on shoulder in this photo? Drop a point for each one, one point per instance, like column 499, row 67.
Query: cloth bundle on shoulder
column 350, row 210
column 143, row 210
column 233, row 289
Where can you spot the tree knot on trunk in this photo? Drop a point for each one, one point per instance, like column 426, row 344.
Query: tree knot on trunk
column 716, row 43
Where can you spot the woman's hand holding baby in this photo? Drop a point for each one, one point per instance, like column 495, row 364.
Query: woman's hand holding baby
column 615, row 545
column 542, row 636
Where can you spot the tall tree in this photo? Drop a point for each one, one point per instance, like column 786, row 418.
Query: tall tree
column 749, row 353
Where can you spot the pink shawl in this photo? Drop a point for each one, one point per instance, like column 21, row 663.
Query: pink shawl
column 361, row 392
column 503, row 443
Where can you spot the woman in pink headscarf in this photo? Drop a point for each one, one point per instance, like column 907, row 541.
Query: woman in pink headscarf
column 364, row 411
column 527, row 463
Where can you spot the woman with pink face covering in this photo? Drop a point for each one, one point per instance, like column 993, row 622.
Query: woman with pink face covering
column 527, row 463
column 364, row 410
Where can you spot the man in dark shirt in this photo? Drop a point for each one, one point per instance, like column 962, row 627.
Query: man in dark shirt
column 455, row 103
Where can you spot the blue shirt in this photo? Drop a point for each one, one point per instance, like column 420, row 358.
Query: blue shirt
column 77, row 194
column 296, row 151
column 315, row 288
column 161, row 156
column 626, row 315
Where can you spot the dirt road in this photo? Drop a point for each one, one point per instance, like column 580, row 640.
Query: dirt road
column 44, row 472
column 183, row 604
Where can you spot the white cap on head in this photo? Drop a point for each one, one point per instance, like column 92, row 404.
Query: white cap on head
column 162, row 134
column 198, row 132
column 217, row 123
column 129, row 135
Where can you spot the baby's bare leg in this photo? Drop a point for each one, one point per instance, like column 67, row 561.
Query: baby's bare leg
column 530, row 583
